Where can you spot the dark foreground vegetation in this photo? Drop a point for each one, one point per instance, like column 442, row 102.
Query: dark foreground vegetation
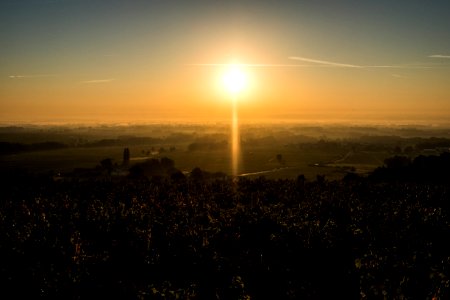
column 191, row 238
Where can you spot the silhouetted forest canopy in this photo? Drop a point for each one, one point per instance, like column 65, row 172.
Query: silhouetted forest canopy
column 11, row 148
column 422, row 169
column 191, row 237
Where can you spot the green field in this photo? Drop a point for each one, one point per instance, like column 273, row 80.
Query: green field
column 273, row 151
column 260, row 160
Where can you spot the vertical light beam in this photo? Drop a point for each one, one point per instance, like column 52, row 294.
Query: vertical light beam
column 235, row 140
column 234, row 80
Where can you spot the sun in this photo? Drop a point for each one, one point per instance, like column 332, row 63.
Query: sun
column 234, row 79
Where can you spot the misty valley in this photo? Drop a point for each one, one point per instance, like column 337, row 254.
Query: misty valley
column 275, row 151
column 152, row 212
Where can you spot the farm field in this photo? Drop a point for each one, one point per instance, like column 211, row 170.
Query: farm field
column 272, row 151
column 255, row 161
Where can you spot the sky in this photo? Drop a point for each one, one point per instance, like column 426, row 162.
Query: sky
column 74, row 61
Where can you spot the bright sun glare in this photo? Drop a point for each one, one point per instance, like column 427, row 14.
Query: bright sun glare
column 234, row 79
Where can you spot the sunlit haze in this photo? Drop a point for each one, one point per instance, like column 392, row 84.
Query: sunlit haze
column 234, row 79
column 75, row 61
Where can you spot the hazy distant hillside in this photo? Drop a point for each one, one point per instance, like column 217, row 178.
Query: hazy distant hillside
column 276, row 150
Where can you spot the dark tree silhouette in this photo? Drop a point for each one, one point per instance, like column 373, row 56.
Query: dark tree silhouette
column 280, row 158
column 126, row 156
column 196, row 174
column 107, row 165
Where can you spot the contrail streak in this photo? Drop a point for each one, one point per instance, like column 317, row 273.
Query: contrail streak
column 324, row 62
column 250, row 65
column 31, row 76
column 439, row 56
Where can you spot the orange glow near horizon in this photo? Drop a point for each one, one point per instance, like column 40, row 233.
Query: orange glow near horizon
column 201, row 94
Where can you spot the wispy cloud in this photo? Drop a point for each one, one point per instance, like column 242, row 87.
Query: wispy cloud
column 314, row 63
column 324, row 62
column 248, row 65
column 31, row 76
column 439, row 56
column 98, row 81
